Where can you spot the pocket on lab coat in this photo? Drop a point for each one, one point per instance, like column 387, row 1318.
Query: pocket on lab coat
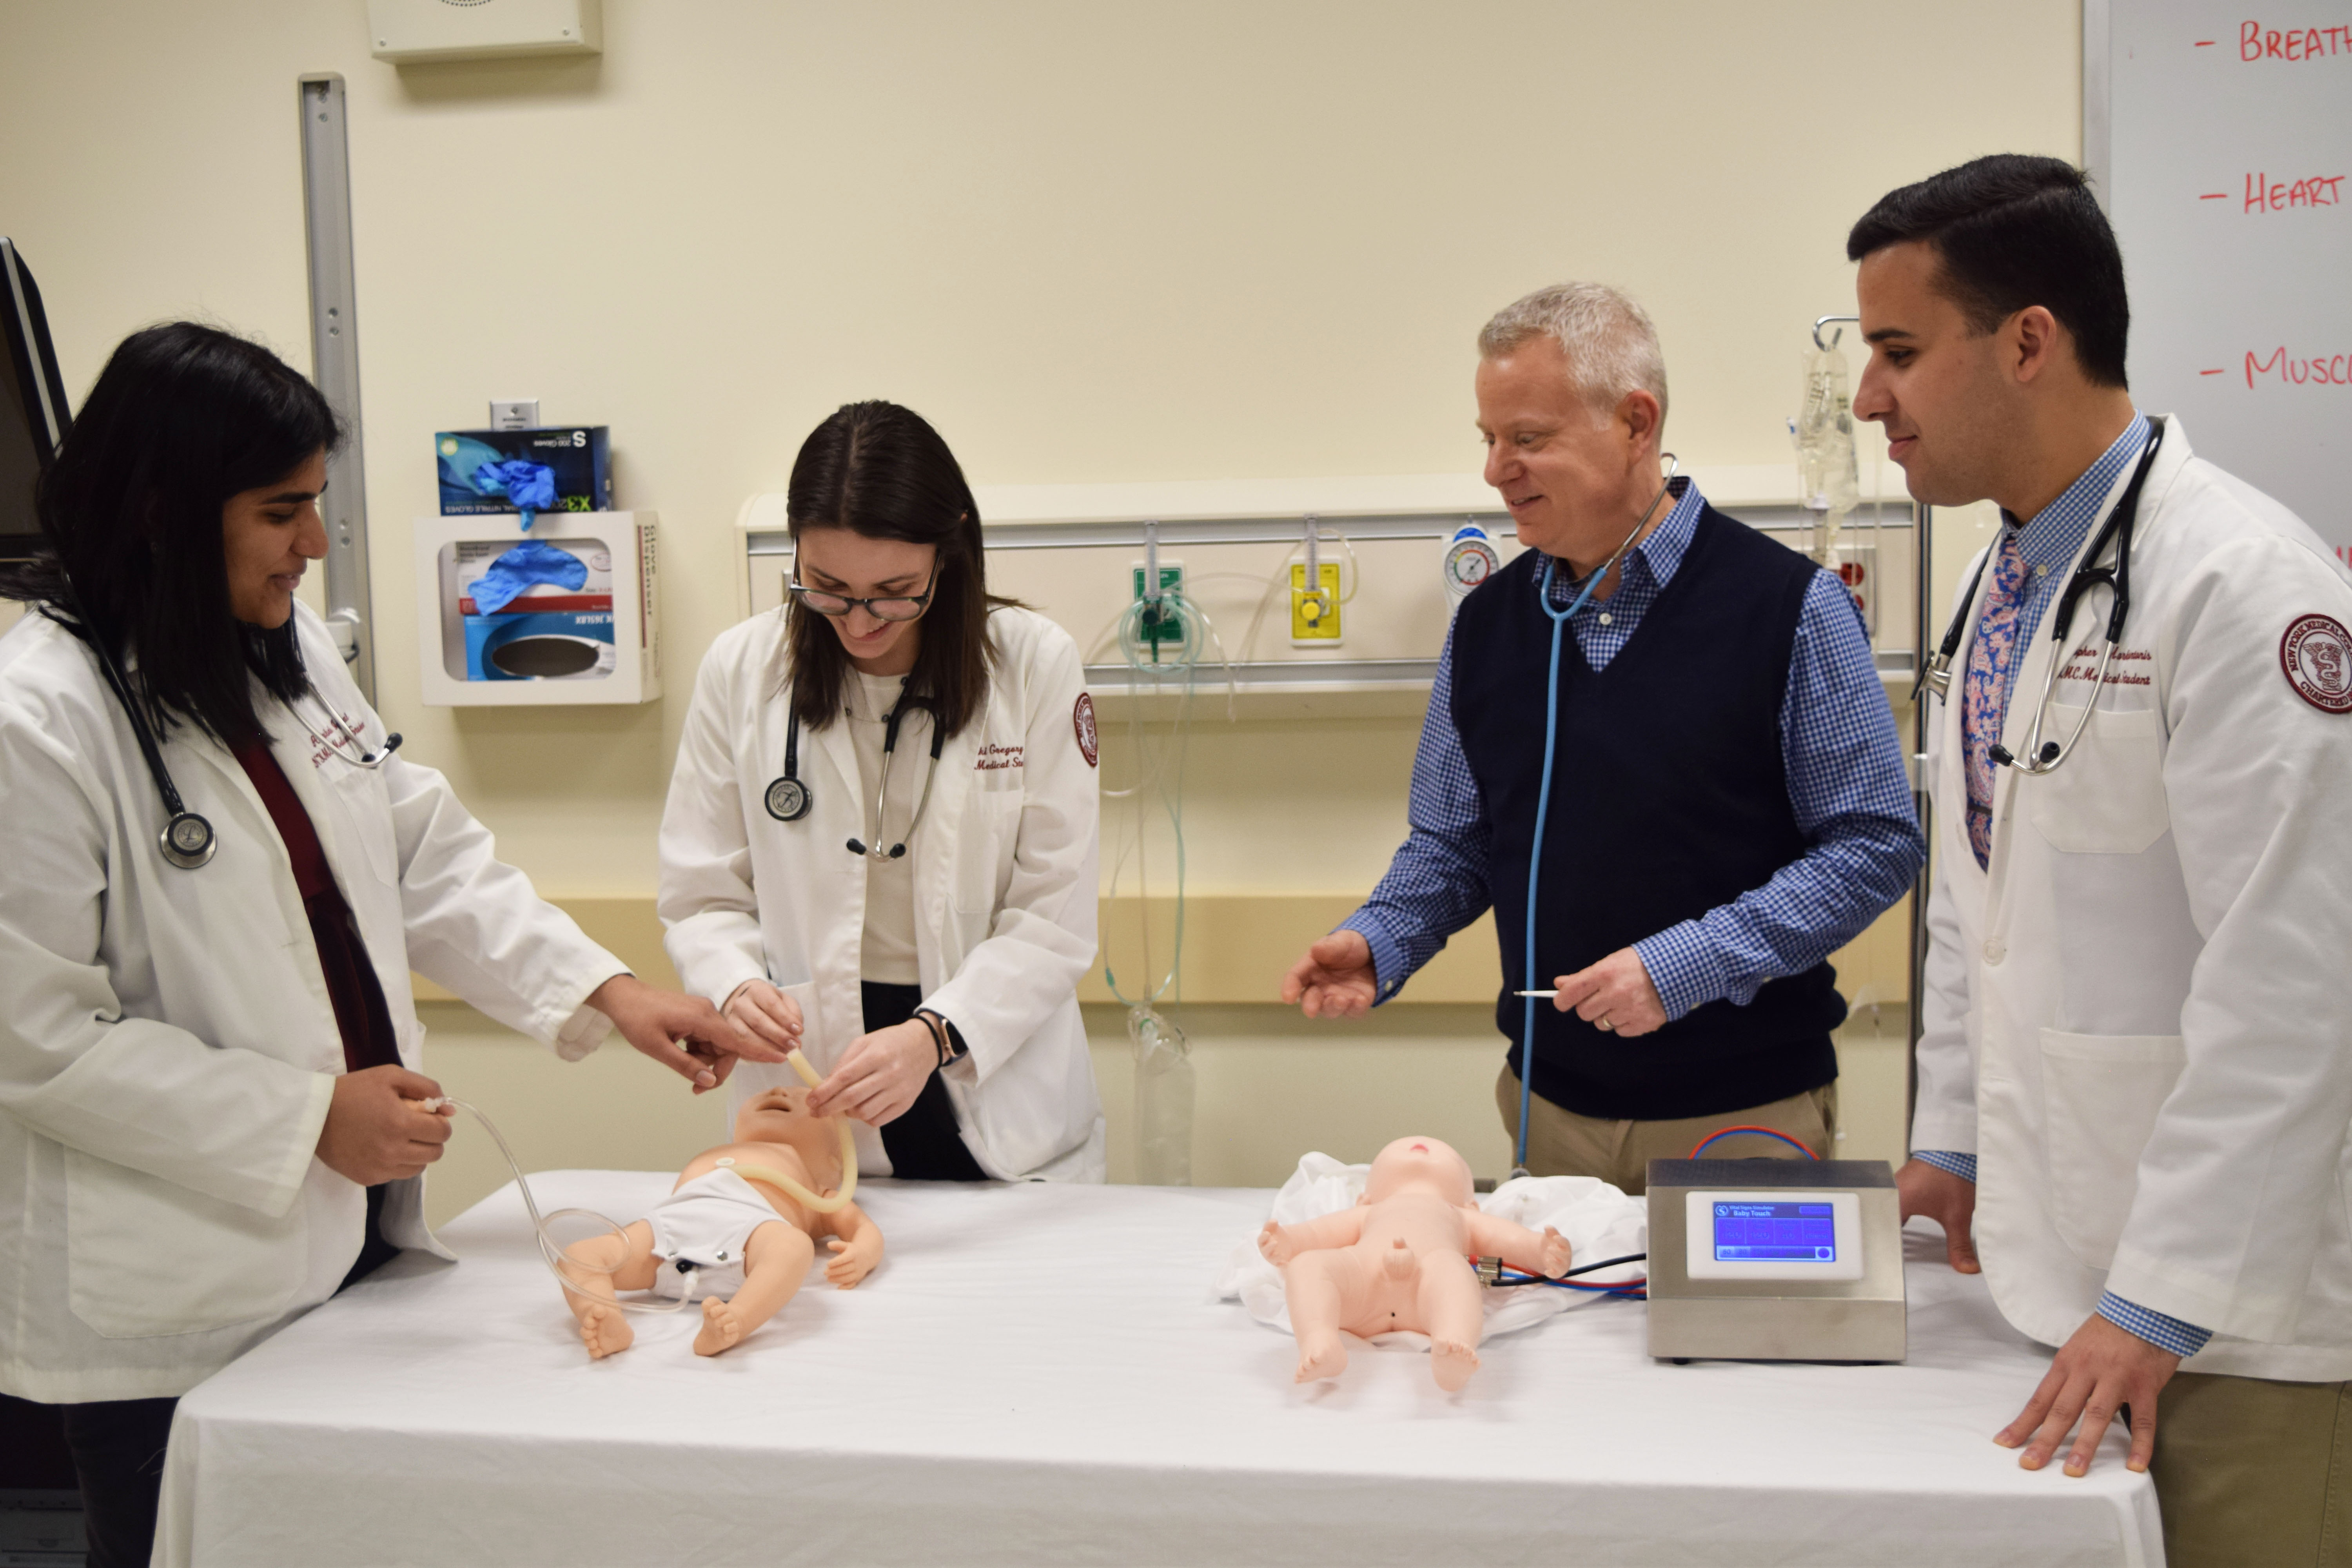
column 2108, row 797
column 2100, row 1095
column 365, row 807
column 991, row 830
column 145, row 1256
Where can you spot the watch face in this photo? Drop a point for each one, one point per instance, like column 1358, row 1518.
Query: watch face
column 788, row 800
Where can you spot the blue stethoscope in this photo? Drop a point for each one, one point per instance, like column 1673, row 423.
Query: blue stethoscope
column 1559, row 619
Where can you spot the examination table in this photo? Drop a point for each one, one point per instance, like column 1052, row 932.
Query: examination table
column 1038, row 1374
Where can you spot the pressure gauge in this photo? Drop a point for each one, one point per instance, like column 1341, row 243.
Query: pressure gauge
column 1470, row 559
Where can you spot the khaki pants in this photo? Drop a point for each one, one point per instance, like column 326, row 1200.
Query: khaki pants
column 1563, row 1143
column 2250, row 1472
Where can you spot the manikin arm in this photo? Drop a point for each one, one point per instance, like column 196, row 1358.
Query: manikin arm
column 857, row 1247
column 1281, row 1243
column 1516, row 1245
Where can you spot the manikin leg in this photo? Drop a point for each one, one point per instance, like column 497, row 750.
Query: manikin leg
column 1316, row 1285
column 1453, row 1316
column 776, row 1261
column 600, row 1266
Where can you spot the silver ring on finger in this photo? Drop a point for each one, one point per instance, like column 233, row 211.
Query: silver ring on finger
column 1602, row 1022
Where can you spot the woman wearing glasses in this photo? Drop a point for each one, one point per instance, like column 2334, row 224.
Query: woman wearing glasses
column 219, row 873
column 887, row 788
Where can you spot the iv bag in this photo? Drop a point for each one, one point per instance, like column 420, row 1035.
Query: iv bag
column 1829, row 481
column 1163, row 1100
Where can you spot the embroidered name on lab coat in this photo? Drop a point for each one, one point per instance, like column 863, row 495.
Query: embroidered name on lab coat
column 2083, row 664
column 993, row 757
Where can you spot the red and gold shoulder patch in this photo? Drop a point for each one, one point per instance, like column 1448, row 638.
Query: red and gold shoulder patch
column 2316, row 654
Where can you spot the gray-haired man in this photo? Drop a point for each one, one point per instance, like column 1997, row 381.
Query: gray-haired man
column 1725, row 803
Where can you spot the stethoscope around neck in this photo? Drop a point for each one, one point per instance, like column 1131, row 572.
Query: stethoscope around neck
column 2041, row 756
column 787, row 798
column 1559, row 620
column 187, row 840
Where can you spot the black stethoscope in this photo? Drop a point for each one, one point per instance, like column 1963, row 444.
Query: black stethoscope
column 788, row 798
column 188, row 840
column 2044, row 756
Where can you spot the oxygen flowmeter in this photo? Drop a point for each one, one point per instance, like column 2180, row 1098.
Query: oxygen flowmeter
column 1314, row 598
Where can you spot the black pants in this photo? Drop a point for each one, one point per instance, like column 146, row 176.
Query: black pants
column 118, row 1444
column 118, row 1454
column 924, row 1145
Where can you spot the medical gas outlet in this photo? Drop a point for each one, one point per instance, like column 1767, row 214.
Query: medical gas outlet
column 1314, row 596
column 1160, row 629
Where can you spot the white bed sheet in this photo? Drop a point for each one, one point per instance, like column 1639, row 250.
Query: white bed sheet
column 1038, row 1374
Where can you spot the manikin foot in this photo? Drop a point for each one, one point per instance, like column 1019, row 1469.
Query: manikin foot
column 1453, row 1362
column 605, row 1328
column 720, row 1327
column 1321, row 1357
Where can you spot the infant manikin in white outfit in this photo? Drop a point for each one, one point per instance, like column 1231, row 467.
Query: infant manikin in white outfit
column 739, row 1231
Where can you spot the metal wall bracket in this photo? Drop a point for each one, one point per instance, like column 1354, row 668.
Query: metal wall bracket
column 335, row 365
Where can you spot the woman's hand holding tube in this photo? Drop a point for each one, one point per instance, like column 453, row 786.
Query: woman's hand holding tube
column 657, row 1022
column 766, row 1012
column 879, row 1076
column 376, row 1129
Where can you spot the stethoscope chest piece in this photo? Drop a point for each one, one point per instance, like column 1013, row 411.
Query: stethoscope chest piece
column 188, row 841
column 788, row 800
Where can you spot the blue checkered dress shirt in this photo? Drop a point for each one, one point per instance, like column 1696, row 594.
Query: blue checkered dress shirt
column 2048, row 543
column 1846, row 785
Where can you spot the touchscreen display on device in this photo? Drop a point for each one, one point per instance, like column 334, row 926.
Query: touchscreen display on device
column 1773, row 1235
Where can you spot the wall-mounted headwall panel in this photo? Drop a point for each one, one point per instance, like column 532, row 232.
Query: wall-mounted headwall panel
column 2227, row 163
column 1071, row 551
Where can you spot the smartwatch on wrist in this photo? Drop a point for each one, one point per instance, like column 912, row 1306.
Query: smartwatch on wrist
column 950, row 1044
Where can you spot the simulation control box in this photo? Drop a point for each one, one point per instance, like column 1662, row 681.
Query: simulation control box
column 1775, row 1260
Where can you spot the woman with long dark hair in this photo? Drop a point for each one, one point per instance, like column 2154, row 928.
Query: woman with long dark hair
column 886, row 797
column 220, row 872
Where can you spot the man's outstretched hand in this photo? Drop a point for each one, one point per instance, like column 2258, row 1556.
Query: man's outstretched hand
column 1334, row 980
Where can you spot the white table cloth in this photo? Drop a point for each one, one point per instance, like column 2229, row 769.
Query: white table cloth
column 1037, row 1373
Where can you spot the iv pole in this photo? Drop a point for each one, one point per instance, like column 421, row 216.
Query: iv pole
column 1923, row 534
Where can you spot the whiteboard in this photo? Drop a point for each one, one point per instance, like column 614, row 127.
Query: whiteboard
column 2221, row 136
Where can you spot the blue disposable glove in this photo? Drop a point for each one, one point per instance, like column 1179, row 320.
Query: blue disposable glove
column 528, row 563
column 531, row 487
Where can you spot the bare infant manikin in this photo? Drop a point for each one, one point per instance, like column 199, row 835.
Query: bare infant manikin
column 1401, row 1259
column 731, row 1233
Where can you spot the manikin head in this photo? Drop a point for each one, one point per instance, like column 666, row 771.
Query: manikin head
column 1419, row 1165
column 780, row 1115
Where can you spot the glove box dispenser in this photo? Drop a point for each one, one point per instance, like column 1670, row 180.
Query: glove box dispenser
column 562, row 612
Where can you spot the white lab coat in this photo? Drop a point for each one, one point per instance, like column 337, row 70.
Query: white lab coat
column 1004, row 889
column 167, row 1046
column 2138, row 1016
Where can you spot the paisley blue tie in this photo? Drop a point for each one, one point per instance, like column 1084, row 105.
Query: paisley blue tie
column 1992, row 659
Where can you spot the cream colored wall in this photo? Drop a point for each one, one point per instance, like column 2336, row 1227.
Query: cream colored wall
column 1092, row 243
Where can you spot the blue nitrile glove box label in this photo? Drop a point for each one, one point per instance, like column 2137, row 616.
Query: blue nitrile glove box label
column 474, row 468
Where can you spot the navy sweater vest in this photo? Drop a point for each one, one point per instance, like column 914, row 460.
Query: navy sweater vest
column 1669, row 797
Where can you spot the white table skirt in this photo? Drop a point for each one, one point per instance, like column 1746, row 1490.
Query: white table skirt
column 1037, row 1373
